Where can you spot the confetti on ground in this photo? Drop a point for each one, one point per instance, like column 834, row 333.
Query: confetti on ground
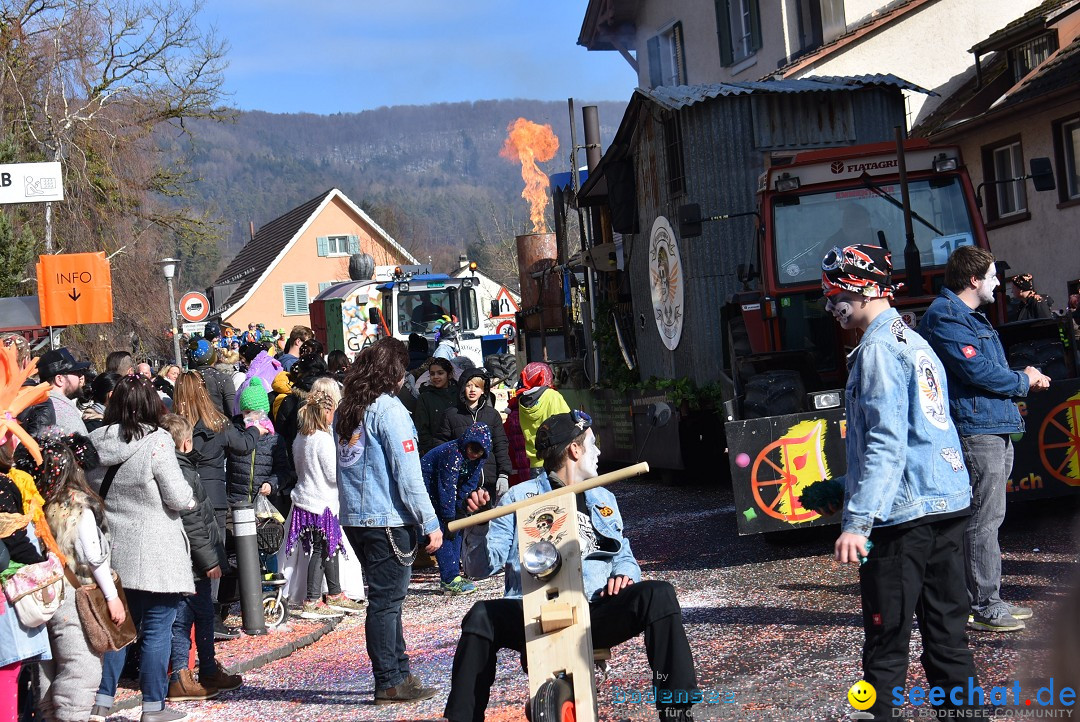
column 774, row 623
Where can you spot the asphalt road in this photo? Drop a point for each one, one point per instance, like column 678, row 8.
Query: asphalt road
column 774, row 623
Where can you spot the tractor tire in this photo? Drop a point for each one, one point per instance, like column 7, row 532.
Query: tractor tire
column 502, row 366
column 774, row 393
column 554, row 702
column 1045, row 354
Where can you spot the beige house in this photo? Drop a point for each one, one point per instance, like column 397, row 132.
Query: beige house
column 693, row 42
column 1022, row 103
column 294, row 257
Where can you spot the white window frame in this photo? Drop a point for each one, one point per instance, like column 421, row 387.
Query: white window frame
column 672, row 52
column 1070, row 146
column 334, row 243
column 741, row 32
column 285, row 299
column 1008, row 162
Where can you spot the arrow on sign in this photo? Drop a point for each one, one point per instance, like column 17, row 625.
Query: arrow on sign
column 74, row 295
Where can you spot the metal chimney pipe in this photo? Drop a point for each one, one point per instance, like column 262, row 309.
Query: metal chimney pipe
column 591, row 119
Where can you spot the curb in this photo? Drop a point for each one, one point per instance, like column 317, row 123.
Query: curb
column 272, row 655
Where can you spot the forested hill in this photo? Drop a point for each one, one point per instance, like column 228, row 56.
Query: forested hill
column 431, row 175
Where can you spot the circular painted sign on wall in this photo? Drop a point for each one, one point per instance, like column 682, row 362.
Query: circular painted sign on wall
column 666, row 282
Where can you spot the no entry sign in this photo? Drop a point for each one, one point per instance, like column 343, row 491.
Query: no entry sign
column 194, row 306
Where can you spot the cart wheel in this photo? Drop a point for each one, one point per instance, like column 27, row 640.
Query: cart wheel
column 554, row 702
column 273, row 610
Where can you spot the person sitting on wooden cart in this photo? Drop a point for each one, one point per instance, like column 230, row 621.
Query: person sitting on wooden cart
column 621, row 606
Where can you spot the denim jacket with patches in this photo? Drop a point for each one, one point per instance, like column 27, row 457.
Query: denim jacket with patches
column 981, row 384
column 612, row 557
column 903, row 453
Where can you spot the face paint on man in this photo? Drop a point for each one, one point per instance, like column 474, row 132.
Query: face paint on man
column 841, row 310
column 590, row 460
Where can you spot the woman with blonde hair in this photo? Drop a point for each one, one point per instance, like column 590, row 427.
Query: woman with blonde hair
column 165, row 380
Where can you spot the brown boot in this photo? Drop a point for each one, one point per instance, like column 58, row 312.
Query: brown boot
column 408, row 690
column 186, row 688
column 221, row 680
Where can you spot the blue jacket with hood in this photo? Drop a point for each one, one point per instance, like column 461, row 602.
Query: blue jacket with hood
column 450, row 476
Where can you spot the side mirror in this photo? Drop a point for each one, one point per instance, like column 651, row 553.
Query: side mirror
column 1042, row 174
column 373, row 315
column 745, row 273
column 689, row 220
column 495, row 310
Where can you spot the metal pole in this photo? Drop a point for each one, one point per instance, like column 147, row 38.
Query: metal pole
column 912, row 261
column 591, row 122
column 248, row 569
column 175, row 330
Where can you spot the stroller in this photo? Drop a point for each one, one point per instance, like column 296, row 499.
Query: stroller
column 270, row 533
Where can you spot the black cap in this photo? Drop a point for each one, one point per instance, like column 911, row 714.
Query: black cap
column 561, row 429
column 59, row 361
column 249, row 351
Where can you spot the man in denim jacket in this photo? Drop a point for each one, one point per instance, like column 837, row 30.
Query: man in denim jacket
column 981, row 392
column 906, row 487
column 621, row 606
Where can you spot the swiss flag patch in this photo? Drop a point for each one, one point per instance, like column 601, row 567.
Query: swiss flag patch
column 875, row 619
column 969, row 351
column 409, row 445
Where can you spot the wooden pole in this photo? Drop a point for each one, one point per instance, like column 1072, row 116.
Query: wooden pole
column 608, row 478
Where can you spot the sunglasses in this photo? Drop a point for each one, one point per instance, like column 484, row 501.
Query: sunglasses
column 581, row 416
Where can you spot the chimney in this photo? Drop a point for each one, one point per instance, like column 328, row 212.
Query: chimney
column 462, row 261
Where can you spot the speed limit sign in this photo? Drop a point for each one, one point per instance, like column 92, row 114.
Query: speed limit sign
column 508, row 329
column 194, row 306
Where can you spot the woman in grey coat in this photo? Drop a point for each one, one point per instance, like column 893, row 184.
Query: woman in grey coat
column 149, row 549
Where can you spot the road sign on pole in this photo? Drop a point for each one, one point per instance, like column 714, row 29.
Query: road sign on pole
column 74, row 288
column 31, row 182
column 194, row 306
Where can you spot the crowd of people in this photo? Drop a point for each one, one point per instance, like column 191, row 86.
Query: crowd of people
column 128, row 477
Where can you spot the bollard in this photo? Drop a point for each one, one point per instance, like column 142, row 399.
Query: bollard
column 248, row 569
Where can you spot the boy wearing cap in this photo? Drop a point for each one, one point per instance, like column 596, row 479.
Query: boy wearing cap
column 621, row 606
column 906, row 487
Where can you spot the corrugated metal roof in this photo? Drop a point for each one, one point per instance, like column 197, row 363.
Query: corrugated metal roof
column 677, row 97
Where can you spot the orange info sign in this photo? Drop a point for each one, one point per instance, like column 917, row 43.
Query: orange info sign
column 74, row 288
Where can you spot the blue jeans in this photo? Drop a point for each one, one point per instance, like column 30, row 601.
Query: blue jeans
column 197, row 610
column 989, row 459
column 153, row 614
column 388, row 581
column 449, row 557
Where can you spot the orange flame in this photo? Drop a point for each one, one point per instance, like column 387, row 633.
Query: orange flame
column 529, row 143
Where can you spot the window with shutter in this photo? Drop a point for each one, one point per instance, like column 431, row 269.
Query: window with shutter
column 322, row 244
column 354, row 244
column 738, row 28
column 296, row 298
column 667, row 58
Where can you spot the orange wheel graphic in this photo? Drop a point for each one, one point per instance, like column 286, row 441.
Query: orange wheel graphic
column 1059, row 442
column 775, row 460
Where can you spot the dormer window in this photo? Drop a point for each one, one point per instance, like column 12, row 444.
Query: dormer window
column 1029, row 55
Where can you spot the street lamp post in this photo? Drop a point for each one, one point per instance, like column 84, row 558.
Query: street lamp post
column 168, row 267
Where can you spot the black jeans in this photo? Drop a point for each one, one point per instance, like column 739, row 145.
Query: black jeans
column 388, row 581
column 317, row 563
column 649, row 607
column 915, row 571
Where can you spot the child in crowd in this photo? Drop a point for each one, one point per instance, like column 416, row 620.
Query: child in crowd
column 452, row 471
column 207, row 561
column 263, row 469
column 316, row 507
column 536, row 403
column 76, row 516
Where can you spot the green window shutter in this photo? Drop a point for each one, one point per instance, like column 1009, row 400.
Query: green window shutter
column 723, row 32
column 323, row 244
column 301, row 298
column 680, row 51
column 656, row 76
column 290, row 298
column 323, row 285
column 354, row 244
column 755, row 26
column 296, row 301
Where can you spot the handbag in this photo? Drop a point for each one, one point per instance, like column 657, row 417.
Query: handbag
column 36, row 590
column 102, row 633
column 269, row 526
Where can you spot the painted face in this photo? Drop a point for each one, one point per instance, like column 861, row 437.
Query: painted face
column 987, row 284
column 589, row 463
column 843, row 307
column 438, row 377
column 473, row 393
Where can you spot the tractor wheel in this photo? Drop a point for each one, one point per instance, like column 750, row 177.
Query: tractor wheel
column 774, row 393
column 554, row 702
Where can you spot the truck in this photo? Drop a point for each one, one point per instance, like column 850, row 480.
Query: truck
column 351, row 315
column 785, row 423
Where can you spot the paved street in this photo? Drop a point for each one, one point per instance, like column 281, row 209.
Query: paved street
column 774, row 623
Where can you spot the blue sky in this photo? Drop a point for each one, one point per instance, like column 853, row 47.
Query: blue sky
column 329, row 56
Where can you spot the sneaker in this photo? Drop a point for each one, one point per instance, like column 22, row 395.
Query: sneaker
column 223, row 632
column 457, row 587
column 1020, row 612
column 318, row 610
column 185, row 688
column 341, row 603
column 221, row 680
column 99, row 713
column 163, row 715
column 1003, row 622
column 411, row 690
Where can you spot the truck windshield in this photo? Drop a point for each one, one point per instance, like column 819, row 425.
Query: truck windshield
column 418, row 311
column 807, row 226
